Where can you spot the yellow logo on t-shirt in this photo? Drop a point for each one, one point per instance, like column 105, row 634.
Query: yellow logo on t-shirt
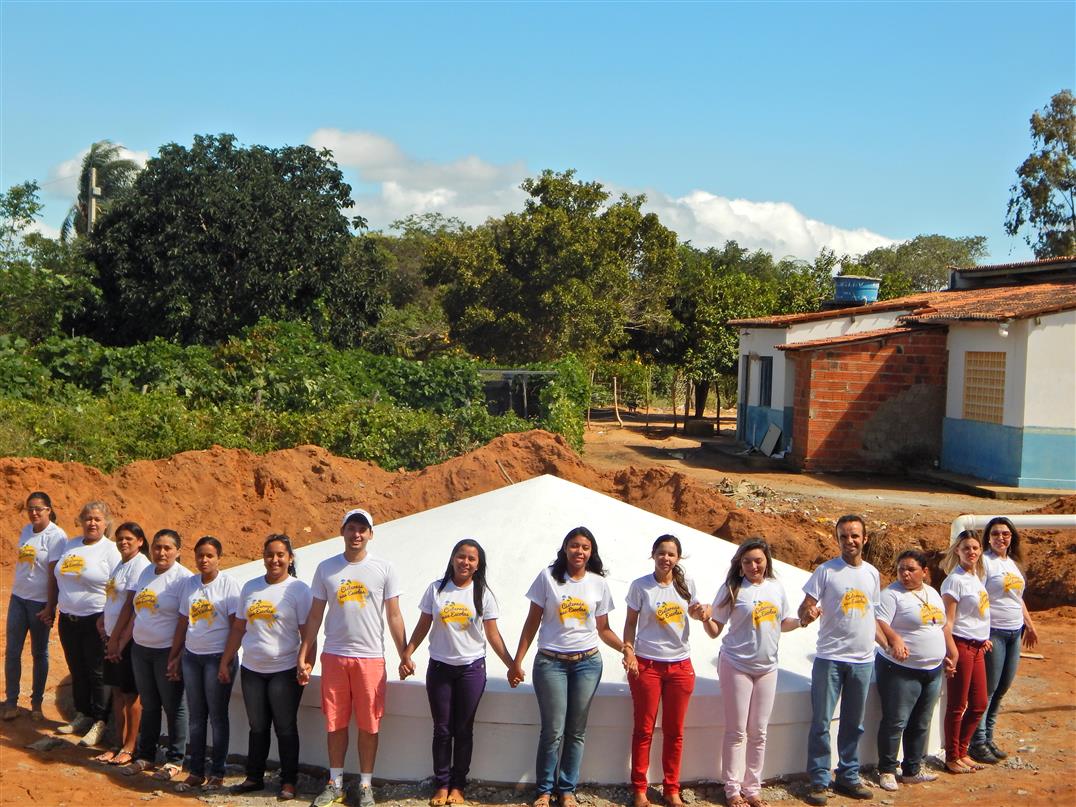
column 669, row 613
column 202, row 609
column 146, row 600
column 764, row 612
column 263, row 610
column 984, row 603
column 1010, row 582
column 457, row 614
column 110, row 589
column 931, row 614
column 352, row 591
column 573, row 608
column 27, row 554
column 73, row 564
column 854, row 600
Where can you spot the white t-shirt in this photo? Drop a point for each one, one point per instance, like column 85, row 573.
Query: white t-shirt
column 972, row 604
column 355, row 595
column 456, row 635
column 273, row 613
column 663, row 629
column 847, row 596
column 1005, row 586
column 156, row 605
column 752, row 624
column 208, row 608
column 918, row 617
column 570, row 611
column 124, row 576
column 82, row 572
column 36, row 551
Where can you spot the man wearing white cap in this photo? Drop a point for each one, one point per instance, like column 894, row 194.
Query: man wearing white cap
column 356, row 594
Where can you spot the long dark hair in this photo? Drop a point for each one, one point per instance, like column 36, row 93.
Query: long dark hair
column 284, row 539
column 136, row 530
column 1014, row 544
column 735, row 576
column 40, row 494
column 679, row 581
column 559, row 568
column 213, row 542
column 478, row 580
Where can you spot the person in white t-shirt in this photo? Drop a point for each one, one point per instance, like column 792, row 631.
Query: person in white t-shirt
column 910, row 669
column 119, row 674
column 152, row 610
column 268, row 625
column 82, row 573
column 569, row 612
column 967, row 613
column 1010, row 622
column 844, row 593
column 459, row 612
column 358, row 595
column 753, row 603
column 32, row 606
column 657, row 629
column 207, row 606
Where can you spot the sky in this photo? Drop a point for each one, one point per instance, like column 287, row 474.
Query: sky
column 786, row 126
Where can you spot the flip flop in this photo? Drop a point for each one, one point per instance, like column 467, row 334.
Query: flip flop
column 167, row 772
column 957, row 768
column 106, row 757
column 121, row 758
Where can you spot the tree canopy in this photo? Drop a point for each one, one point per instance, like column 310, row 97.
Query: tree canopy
column 1043, row 198
column 214, row 237
column 921, row 264
column 114, row 177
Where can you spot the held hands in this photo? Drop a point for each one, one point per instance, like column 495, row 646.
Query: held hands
column 515, row 675
column 112, row 650
column 172, row 672
column 407, row 667
column 808, row 614
column 949, row 665
column 224, row 674
column 302, row 672
column 988, row 646
column 631, row 664
column 699, row 611
column 48, row 615
column 898, row 649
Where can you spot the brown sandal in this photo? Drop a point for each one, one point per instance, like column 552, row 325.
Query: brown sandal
column 542, row 800
column 190, row 783
column 757, row 801
column 455, row 796
column 568, row 800
column 136, row 766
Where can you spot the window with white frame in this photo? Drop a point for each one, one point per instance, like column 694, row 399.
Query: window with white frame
column 984, row 386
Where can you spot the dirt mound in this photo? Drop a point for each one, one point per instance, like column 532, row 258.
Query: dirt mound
column 1063, row 504
column 241, row 497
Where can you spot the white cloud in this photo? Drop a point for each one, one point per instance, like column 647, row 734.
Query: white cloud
column 474, row 190
column 45, row 229
column 62, row 181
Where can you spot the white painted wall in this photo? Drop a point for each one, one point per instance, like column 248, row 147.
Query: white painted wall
column 763, row 342
column 985, row 336
column 1050, row 400
column 841, row 326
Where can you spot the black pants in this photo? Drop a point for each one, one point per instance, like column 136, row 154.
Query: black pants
column 85, row 654
column 272, row 700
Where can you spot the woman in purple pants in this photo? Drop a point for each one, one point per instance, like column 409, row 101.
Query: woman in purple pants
column 460, row 614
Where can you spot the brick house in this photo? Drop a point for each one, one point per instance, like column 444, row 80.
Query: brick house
column 978, row 379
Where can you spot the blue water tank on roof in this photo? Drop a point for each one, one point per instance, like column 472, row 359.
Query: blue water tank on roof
column 855, row 289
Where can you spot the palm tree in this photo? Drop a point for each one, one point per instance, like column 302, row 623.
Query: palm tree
column 115, row 174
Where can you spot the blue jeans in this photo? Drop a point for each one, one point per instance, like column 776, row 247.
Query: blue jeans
column 150, row 665
column 564, row 690
column 850, row 682
column 908, row 699
column 22, row 619
column 1001, row 664
column 207, row 698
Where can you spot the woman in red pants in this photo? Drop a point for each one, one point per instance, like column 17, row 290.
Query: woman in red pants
column 657, row 627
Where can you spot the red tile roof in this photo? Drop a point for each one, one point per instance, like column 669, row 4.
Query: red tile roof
column 999, row 267
column 848, row 338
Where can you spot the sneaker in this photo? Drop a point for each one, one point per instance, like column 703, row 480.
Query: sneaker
column 36, row 714
column 982, row 753
column 79, row 724
column 995, row 750
column 854, row 790
column 10, row 712
column 330, row 795
column 888, row 781
column 817, row 795
column 93, row 736
column 366, row 796
column 919, row 778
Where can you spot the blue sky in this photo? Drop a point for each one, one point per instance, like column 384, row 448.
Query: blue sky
column 787, row 126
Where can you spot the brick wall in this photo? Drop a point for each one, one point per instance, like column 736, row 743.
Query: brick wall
column 870, row 405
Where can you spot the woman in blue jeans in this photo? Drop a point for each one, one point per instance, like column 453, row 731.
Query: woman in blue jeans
column 462, row 613
column 153, row 603
column 32, row 607
column 207, row 606
column 569, row 611
column 910, row 668
column 1010, row 623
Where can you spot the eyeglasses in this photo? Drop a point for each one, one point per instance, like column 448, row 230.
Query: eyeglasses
column 36, row 509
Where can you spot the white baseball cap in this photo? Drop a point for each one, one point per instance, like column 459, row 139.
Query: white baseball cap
column 357, row 513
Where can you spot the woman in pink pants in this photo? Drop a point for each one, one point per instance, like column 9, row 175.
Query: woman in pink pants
column 752, row 602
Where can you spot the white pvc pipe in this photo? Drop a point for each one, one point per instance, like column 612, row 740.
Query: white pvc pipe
column 1036, row 521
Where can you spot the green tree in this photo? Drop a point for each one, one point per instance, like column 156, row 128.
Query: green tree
column 214, row 237
column 1043, row 198
column 114, row 177
column 921, row 264
column 570, row 274
column 19, row 208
